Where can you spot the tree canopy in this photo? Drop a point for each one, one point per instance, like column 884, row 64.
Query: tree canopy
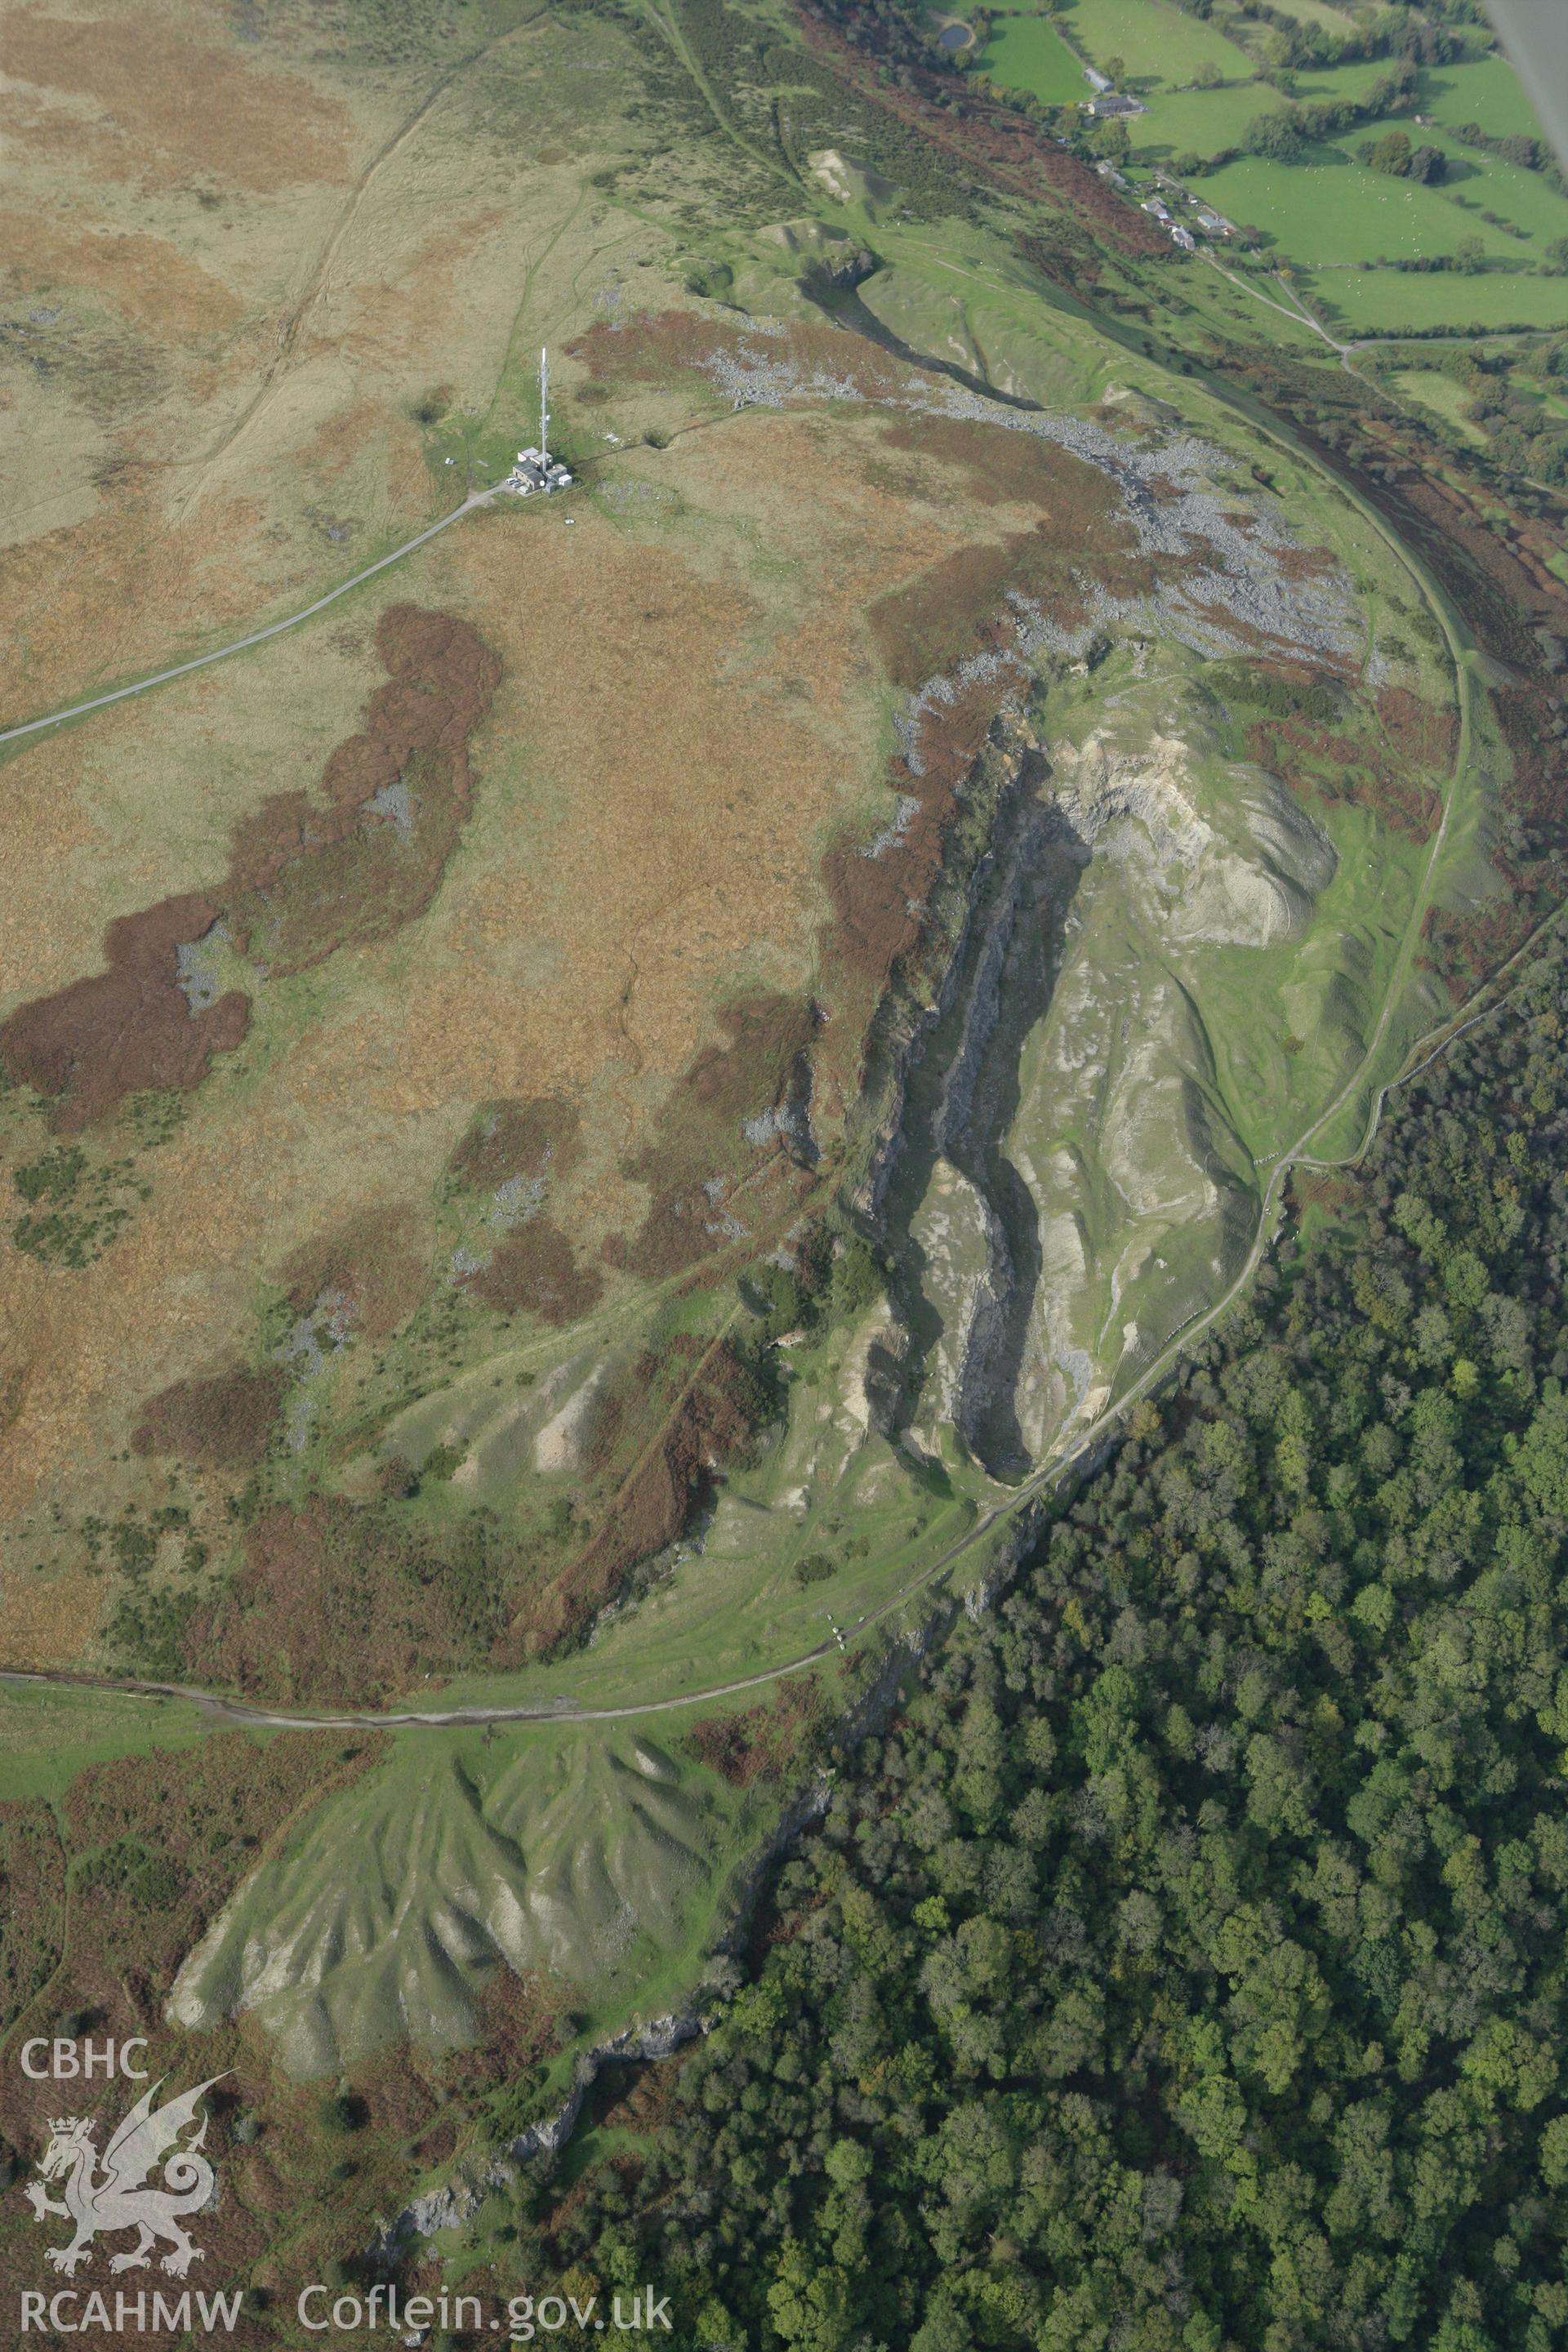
column 1183, row 1969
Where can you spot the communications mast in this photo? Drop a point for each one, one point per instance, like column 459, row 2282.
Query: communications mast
column 536, row 469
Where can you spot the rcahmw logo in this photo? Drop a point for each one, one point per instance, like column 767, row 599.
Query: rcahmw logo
column 104, row 2195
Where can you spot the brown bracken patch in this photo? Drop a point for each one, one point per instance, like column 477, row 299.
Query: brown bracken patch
column 876, row 899
column 348, row 1602
column 697, row 1143
column 306, row 882
column 166, row 1840
column 1306, row 562
column 762, row 1742
column 126, row 1029
column 302, row 882
column 522, row 2020
column 656, row 344
column 1358, row 769
column 713, row 1421
column 376, row 1263
column 1266, row 645
column 959, row 607
column 1310, row 1187
column 534, row 1138
column 227, row 1420
column 999, row 466
column 534, row 1272
column 1419, row 730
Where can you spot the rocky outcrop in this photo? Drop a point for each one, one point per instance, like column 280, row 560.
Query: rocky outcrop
column 907, row 1027
column 457, row 2200
column 1065, row 1161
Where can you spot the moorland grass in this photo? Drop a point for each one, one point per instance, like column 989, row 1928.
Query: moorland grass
column 49, row 1734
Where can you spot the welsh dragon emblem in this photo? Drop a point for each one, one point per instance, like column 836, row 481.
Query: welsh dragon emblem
column 115, row 2194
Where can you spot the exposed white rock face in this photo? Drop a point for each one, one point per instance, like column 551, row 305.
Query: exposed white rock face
column 1088, row 1188
column 414, row 1888
column 1243, row 873
column 562, row 1443
column 958, row 1234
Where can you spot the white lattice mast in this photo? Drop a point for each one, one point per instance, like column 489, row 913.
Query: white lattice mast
column 544, row 404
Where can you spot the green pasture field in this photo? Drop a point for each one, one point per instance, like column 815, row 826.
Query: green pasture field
column 1028, row 53
column 1317, row 11
column 1390, row 302
column 1352, row 82
column 1489, row 184
column 1332, row 209
column 1201, row 120
column 1160, row 45
column 1210, row 119
column 1485, row 90
column 1430, row 388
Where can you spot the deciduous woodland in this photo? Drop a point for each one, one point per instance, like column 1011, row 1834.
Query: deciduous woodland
column 1183, row 1967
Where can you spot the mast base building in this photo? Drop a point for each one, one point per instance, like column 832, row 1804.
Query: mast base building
column 536, row 470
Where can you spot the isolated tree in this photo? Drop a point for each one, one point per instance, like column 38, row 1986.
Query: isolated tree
column 1276, row 136
column 1391, row 153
